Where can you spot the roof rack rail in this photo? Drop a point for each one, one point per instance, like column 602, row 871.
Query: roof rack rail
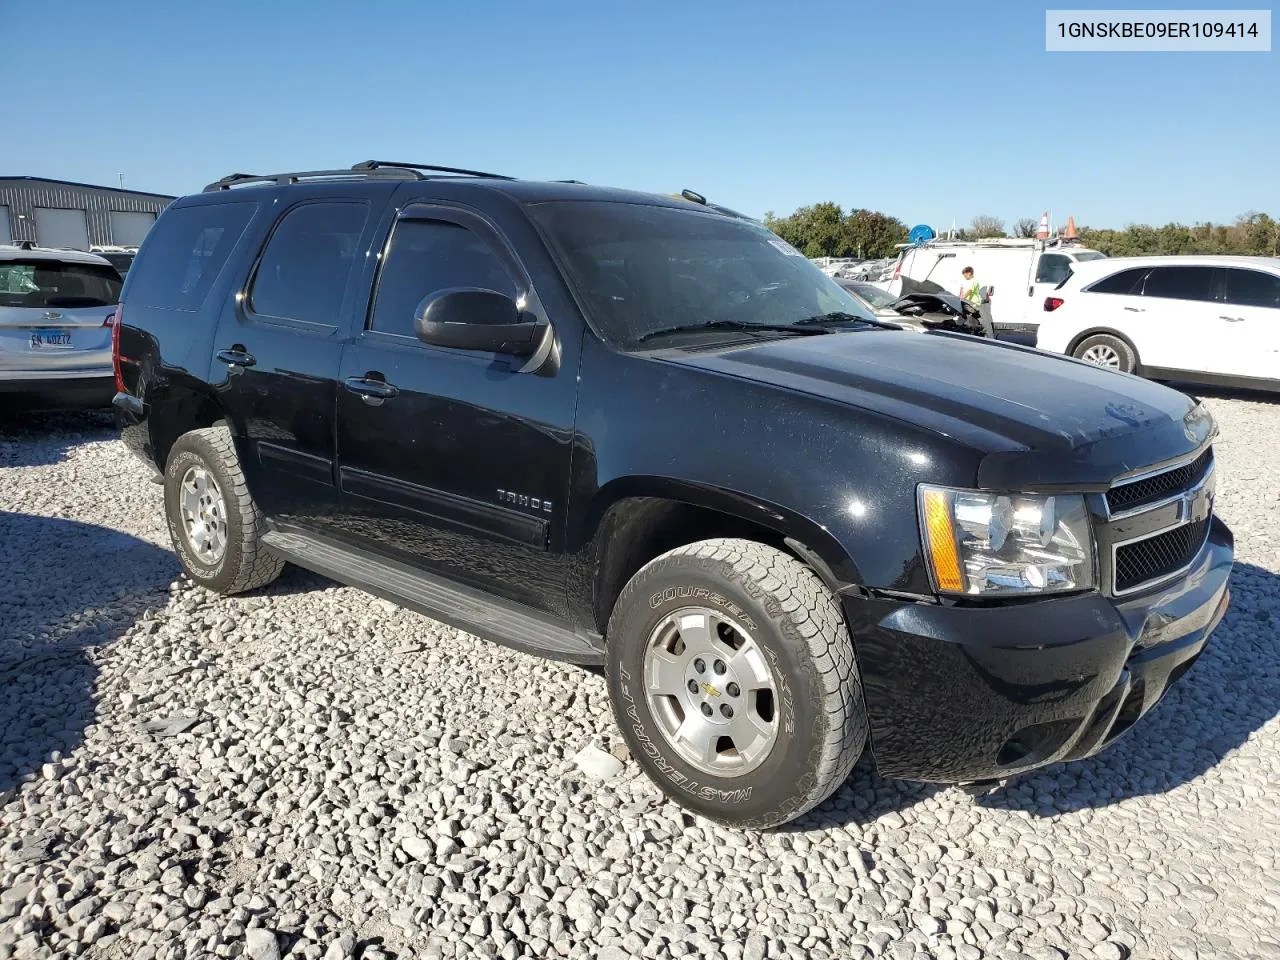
column 389, row 172
column 384, row 164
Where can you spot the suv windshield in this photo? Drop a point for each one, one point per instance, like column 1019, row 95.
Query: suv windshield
column 639, row 269
column 51, row 283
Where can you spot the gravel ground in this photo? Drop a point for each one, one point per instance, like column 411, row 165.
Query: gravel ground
column 312, row 772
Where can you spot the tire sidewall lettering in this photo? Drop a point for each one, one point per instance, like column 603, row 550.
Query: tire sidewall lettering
column 636, row 714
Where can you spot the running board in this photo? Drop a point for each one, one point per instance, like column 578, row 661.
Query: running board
column 469, row 609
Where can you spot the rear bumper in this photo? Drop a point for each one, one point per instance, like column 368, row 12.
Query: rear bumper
column 958, row 694
column 131, row 418
column 74, row 392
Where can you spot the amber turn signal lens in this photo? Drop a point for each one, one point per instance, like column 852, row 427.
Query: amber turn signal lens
column 940, row 542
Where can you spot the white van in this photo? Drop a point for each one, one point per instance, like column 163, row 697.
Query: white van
column 1020, row 272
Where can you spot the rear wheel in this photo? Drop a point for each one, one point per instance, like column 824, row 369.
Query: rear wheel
column 1107, row 351
column 733, row 679
column 215, row 526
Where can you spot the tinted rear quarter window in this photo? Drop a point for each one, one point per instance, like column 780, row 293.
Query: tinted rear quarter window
column 1180, row 283
column 1124, row 283
column 184, row 253
column 302, row 274
column 1253, row 288
column 427, row 256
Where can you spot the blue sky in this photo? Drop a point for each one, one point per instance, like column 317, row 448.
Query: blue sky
column 926, row 110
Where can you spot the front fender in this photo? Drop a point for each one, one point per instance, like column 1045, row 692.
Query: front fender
column 736, row 504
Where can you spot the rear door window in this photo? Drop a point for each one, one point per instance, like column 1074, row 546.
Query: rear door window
column 1253, row 288
column 1124, row 283
column 48, row 284
column 184, row 252
column 1180, row 283
column 302, row 274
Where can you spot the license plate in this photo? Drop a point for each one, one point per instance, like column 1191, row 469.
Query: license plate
column 50, row 339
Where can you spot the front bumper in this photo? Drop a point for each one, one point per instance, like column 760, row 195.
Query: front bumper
column 958, row 694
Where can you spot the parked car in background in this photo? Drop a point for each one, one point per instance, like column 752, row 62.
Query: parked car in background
column 55, row 334
column 642, row 433
column 1201, row 319
column 119, row 257
column 923, row 309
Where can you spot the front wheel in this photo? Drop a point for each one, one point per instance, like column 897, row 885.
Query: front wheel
column 733, row 679
column 1107, row 351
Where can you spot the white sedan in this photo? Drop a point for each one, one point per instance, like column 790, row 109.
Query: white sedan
column 1200, row 319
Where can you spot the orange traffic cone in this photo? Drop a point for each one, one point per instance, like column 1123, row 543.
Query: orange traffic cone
column 1043, row 232
column 1071, row 228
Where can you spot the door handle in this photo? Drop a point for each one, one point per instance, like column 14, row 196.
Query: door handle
column 372, row 392
column 1232, row 319
column 236, row 357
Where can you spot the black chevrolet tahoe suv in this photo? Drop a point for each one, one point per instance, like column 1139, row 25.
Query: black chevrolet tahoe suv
column 644, row 433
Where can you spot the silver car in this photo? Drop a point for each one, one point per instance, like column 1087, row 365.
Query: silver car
column 55, row 333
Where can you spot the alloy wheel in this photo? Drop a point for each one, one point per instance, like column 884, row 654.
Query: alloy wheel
column 1103, row 355
column 709, row 686
column 204, row 515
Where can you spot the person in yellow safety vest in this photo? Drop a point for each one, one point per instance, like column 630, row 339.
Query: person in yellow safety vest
column 969, row 289
column 979, row 297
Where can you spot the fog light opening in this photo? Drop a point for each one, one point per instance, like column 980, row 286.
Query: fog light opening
column 1035, row 743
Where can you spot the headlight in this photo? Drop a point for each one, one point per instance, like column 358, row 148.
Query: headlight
column 990, row 544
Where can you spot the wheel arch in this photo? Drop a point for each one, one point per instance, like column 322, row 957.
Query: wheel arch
column 178, row 407
column 1079, row 338
column 636, row 519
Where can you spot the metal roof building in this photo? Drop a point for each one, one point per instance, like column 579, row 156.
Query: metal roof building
column 60, row 213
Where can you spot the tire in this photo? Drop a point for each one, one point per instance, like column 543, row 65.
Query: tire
column 234, row 520
column 741, row 593
column 1101, row 347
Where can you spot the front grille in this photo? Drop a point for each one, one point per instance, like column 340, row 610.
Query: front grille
column 1150, row 489
column 1158, row 556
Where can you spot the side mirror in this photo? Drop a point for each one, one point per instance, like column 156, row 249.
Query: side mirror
column 468, row 318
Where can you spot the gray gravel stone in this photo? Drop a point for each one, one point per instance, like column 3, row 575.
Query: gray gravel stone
column 260, row 944
column 596, row 763
column 426, row 802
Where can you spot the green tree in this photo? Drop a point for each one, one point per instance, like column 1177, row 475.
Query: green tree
column 1253, row 234
column 824, row 230
column 873, row 235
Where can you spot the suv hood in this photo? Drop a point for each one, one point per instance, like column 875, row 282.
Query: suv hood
column 1041, row 420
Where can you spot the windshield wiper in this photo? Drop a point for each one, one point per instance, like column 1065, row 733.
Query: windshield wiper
column 810, row 330
column 838, row 316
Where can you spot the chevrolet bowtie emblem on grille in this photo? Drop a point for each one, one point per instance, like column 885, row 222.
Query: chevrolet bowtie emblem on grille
column 1195, row 505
